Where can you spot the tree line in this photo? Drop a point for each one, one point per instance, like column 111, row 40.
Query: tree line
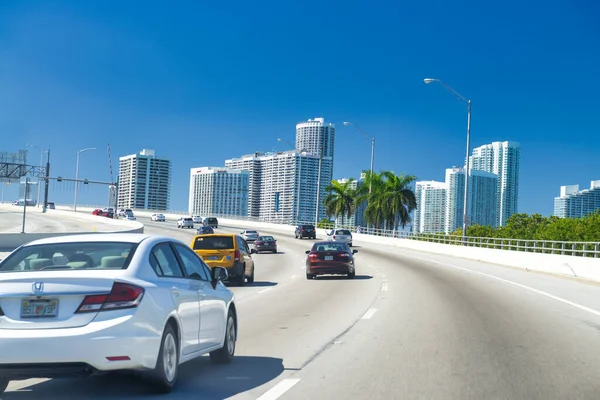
column 537, row 227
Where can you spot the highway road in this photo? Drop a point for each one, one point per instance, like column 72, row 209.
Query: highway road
column 410, row 326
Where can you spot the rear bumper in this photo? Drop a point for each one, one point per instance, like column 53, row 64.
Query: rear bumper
column 266, row 248
column 49, row 353
column 329, row 268
column 307, row 234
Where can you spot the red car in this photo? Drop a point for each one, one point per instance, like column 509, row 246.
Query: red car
column 330, row 258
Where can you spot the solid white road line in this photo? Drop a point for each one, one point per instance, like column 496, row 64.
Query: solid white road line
column 265, row 290
column 278, row 390
column 369, row 313
column 540, row 292
column 384, row 287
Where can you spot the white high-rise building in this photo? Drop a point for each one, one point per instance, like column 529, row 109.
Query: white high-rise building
column 144, row 181
column 283, row 185
column 216, row 191
column 317, row 137
column 502, row 159
column 575, row 203
column 274, row 184
column 482, row 204
column 430, row 214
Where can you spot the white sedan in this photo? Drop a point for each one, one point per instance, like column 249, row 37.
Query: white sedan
column 94, row 303
column 158, row 217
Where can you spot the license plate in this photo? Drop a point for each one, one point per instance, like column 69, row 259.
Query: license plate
column 213, row 258
column 328, row 258
column 39, row 308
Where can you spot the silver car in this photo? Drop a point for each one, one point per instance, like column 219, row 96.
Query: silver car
column 249, row 235
column 340, row 236
column 186, row 222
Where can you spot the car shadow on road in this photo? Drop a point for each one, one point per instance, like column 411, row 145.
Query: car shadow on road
column 198, row 379
column 343, row 278
column 265, row 253
column 261, row 284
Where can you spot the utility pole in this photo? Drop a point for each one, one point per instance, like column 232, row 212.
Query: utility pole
column 46, row 183
column 319, row 188
column 25, row 203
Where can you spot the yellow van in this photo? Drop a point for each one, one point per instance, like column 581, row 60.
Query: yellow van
column 228, row 251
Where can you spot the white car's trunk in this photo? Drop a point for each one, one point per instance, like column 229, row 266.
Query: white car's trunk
column 48, row 300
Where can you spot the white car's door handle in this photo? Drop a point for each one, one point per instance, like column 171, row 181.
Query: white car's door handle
column 175, row 292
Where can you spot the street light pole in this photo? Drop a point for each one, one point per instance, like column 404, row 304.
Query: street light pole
column 319, row 188
column 466, row 200
column 77, row 175
column 41, row 166
column 299, row 178
column 372, row 151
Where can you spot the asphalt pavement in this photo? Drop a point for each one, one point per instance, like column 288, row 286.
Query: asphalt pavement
column 410, row 326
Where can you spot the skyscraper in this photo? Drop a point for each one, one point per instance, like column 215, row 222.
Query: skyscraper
column 218, row 191
column 283, row 185
column 430, row 214
column 316, row 137
column 575, row 203
column 144, row 181
column 502, row 159
column 482, row 204
column 274, row 180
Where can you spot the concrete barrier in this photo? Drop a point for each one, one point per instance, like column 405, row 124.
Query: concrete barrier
column 10, row 241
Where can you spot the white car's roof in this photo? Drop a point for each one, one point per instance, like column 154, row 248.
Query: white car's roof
column 99, row 237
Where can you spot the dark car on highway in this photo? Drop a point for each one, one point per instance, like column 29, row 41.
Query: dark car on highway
column 205, row 230
column 265, row 243
column 306, row 231
column 330, row 258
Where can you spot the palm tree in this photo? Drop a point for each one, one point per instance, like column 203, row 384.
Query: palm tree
column 400, row 198
column 390, row 200
column 340, row 199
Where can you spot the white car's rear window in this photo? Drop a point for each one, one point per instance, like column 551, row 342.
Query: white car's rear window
column 70, row 256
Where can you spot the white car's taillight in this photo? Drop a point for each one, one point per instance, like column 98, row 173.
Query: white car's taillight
column 121, row 296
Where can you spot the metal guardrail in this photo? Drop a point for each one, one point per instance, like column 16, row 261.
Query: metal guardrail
column 579, row 249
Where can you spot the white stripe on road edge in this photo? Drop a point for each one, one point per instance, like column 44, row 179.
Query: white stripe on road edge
column 278, row 390
column 293, row 276
column 540, row 292
column 369, row 313
column 265, row 290
column 384, row 287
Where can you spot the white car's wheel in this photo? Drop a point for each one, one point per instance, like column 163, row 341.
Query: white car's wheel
column 3, row 384
column 225, row 354
column 167, row 365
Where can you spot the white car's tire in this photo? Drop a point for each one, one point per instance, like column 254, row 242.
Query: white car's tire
column 165, row 373
column 226, row 353
column 3, row 384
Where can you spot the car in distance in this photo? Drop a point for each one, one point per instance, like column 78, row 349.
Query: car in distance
column 265, row 243
column 330, row 258
column 249, row 235
column 185, row 222
column 118, row 301
column 228, row 251
column 306, row 230
column 158, row 217
column 205, row 230
column 341, row 236
column 197, row 219
column 211, row 221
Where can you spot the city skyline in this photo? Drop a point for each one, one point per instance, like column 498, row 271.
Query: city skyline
column 72, row 80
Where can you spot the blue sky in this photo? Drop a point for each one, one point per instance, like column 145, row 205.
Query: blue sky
column 204, row 81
